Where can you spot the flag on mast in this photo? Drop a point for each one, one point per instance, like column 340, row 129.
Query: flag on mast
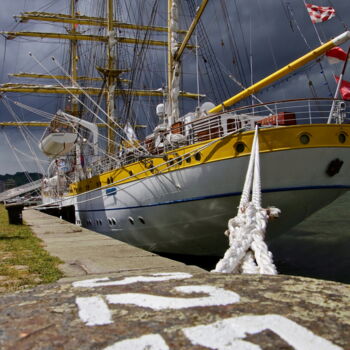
column 344, row 89
column 320, row 14
column 336, row 55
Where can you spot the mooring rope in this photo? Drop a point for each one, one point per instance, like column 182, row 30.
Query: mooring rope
column 248, row 253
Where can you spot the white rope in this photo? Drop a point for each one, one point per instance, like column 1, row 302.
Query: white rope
column 248, row 253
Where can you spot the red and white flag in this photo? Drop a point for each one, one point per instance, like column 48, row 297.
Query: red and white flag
column 344, row 89
column 336, row 55
column 320, row 14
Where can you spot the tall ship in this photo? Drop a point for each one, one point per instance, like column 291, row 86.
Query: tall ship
column 136, row 157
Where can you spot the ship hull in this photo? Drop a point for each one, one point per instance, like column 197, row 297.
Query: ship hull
column 186, row 211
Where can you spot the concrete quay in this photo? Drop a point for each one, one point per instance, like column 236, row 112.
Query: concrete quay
column 87, row 253
column 117, row 297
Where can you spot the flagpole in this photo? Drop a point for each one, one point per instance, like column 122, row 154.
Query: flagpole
column 338, row 86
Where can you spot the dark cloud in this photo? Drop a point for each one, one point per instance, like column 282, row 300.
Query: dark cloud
column 263, row 29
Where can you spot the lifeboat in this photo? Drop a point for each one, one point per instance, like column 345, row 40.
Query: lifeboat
column 57, row 144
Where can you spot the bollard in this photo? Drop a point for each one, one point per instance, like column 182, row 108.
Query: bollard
column 15, row 213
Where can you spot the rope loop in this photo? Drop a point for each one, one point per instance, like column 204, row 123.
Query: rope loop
column 248, row 252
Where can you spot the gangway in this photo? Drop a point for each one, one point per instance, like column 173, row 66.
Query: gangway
column 20, row 190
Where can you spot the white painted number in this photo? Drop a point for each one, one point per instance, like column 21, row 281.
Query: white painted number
column 217, row 296
column 157, row 277
column 228, row 334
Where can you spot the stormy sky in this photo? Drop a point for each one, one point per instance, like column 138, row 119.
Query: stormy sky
column 272, row 32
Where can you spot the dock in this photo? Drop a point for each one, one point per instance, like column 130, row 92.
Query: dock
column 88, row 253
column 118, row 297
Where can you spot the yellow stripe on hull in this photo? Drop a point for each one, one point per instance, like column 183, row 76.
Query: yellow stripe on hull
column 238, row 145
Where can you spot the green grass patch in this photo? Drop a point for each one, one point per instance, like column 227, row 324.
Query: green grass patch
column 23, row 261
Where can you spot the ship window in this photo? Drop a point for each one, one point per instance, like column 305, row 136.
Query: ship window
column 165, row 158
column 114, row 221
column 108, row 181
column 110, row 221
column 198, row 156
column 171, row 162
column 131, row 220
column 239, row 147
column 141, row 219
column 188, row 159
column 179, row 161
column 342, row 137
column 131, row 173
column 304, row 139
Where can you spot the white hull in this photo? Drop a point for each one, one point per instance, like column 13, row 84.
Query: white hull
column 186, row 211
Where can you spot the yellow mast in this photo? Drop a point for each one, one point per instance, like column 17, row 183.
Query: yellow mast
column 86, row 20
column 170, row 60
column 283, row 72
column 110, row 81
column 74, row 59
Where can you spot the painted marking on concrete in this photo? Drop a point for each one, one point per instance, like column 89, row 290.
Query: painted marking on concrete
column 217, row 296
column 157, row 277
column 146, row 342
column 94, row 311
column 228, row 334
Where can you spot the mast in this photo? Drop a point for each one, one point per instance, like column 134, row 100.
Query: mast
column 110, row 81
column 173, row 66
column 74, row 56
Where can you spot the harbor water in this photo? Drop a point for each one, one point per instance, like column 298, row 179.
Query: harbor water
column 319, row 247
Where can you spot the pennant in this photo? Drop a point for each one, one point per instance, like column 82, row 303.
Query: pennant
column 130, row 133
column 336, row 55
column 344, row 89
column 319, row 14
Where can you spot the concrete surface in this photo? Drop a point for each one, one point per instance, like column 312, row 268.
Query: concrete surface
column 87, row 253
column 179, row 311
column 117, row 297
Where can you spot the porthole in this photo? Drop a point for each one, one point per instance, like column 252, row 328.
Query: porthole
column 198, row 157
column 188, row 159
column 141, row 219
column 165, row 158
column 304, row 139
column 342, row 137
column 130, row 173
column 171, row 162
column 131, row 220
column 108, row 182
column 239, row 147
column 114, row 221
column 179, row 161
column 110, row 221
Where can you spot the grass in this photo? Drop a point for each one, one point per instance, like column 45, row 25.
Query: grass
column 23, row 261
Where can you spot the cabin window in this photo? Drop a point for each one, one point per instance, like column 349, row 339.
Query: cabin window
column 130, row 173
column 304, row 139
column 198, row 156
column 342, row 137
column 239, row 147
column 141, row 219
column 114, row 221
column 188, row 159
column 131, row 220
